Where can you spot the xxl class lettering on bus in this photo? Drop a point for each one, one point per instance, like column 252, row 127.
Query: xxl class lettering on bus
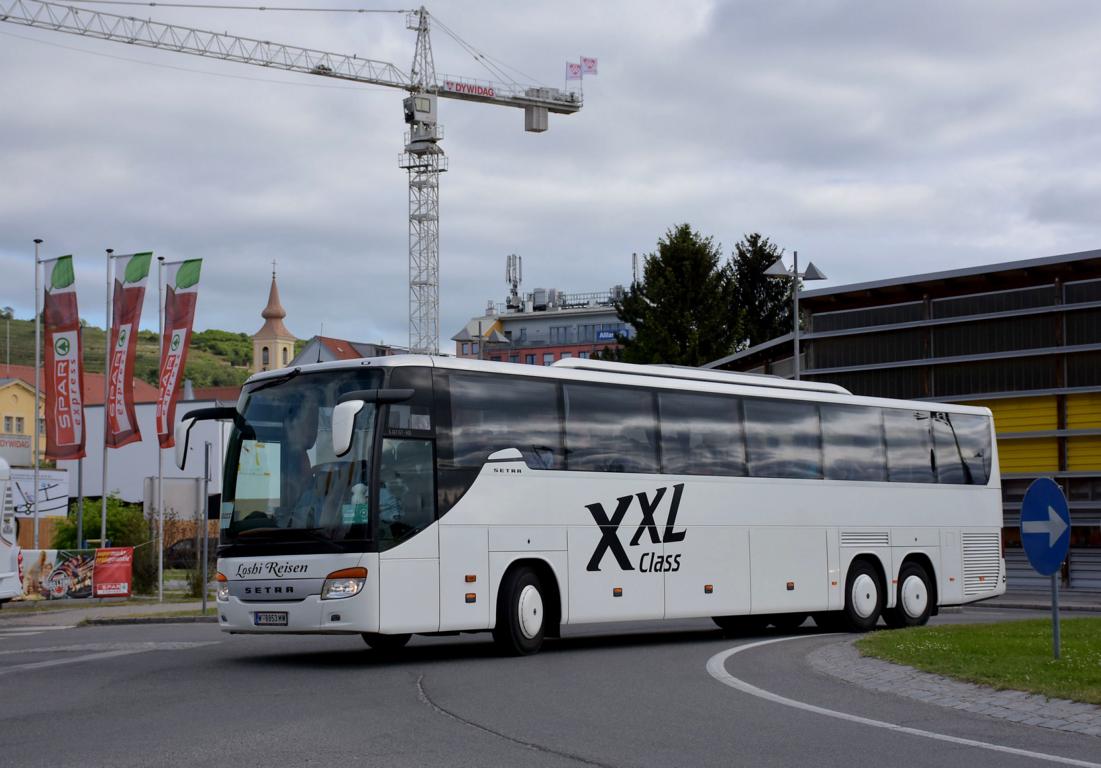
column 609, row 532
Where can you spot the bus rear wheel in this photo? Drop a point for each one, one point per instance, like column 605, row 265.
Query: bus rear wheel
column 520, row 615
column 385, row 643
column 913, row 604
column 864, row 597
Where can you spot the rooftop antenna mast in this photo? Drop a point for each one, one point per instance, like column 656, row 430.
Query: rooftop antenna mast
column 514, row 275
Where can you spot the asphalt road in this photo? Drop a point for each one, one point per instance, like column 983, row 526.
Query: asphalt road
column 625, row 695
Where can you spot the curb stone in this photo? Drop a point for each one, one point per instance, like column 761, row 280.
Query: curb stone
column 843, row 661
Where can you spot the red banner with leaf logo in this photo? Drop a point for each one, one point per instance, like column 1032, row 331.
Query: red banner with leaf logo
column 182, row 292
column 131, row 274
column 64, row 368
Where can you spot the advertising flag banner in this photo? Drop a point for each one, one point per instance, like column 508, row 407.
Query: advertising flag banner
column 131, row 275
column 588, row 66
column 64, row 368
column 573, row 71
column 181, row 293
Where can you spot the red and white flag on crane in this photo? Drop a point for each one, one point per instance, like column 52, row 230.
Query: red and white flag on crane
column 573, row 70
column 588, row 66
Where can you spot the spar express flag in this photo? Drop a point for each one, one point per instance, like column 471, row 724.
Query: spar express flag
column 181, row 293
column 64, row 368
column 131, row 275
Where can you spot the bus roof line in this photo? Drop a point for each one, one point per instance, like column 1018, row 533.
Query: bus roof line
column 696, row 374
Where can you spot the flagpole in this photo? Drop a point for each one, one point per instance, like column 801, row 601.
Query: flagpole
column 160, row 452
column 37, row 379
column 106, row 373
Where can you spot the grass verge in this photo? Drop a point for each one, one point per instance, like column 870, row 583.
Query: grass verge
column 1012, row 655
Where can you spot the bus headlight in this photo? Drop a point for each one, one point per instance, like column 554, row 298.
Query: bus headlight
column 223, row 588
column 343, row 583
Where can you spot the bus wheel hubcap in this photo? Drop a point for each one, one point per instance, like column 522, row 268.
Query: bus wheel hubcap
column 914, row 597
column 531, row 611
column 865, row 595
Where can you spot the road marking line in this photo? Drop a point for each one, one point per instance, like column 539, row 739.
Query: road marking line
column 716, row 667
column 71, row 660
column 36, row 628
column 19, row 634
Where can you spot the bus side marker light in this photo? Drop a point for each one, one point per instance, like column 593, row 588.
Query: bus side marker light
column 708, row 589
column 791, row 586
column 471, row 578
column 951, row 578
column 833, row 583
column 617, row 591
column 471, row 597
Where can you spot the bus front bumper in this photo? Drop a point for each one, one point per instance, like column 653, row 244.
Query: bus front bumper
column 312, row 615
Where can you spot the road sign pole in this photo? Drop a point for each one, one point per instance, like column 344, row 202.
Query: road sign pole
column 1055, row 640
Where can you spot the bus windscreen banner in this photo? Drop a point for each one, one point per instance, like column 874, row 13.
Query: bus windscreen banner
column 181, row 294
column 131, row 275
column 64, row 384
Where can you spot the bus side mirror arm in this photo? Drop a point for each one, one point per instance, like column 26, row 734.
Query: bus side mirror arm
column 182, row 432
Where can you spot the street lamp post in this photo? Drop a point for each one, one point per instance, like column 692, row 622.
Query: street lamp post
column 812, row 272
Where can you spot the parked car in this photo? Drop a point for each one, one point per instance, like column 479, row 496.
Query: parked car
column 182, row 554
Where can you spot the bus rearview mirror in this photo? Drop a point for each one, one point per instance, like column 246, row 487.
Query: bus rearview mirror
column 344, row 422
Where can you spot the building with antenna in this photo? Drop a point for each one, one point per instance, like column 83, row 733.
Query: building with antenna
column 543, row 326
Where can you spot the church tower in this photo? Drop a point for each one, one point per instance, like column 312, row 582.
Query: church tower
column 273, row 344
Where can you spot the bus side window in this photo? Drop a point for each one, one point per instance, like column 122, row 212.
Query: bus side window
column 407, row 494
column 783, row 438
column 962, row 444
column 909, row 446
column 701, row 434
column 852, row 443
column 610, row 429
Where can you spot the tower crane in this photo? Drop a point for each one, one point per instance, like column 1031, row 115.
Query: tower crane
column 422, row 158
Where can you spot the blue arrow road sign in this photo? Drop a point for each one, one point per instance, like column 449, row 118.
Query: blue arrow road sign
column 1045, row 525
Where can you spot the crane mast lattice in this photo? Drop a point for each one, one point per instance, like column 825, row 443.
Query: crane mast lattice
column 423, row 158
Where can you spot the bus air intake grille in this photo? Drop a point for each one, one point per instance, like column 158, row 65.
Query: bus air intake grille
column 982, row 556
column 865, row 539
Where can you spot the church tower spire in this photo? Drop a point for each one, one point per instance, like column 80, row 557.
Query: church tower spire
column 273, row 344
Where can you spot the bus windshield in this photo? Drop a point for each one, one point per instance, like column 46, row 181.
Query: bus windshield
column 282, row 481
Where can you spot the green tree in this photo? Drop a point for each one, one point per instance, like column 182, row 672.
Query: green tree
column 681, row 308
column 762, row 302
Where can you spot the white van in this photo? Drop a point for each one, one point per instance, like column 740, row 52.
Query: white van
column 11, row 582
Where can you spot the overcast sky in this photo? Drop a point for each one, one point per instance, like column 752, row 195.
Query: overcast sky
column 877, row 139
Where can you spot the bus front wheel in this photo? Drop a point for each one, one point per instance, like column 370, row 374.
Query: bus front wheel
column 914, row 604
column 864, row 596
column 385, row 643
column 520, row 614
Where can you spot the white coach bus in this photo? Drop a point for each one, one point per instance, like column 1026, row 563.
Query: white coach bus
column 424, row 495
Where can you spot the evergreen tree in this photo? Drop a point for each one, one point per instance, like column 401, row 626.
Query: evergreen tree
column 763, row 302
column 681, row 309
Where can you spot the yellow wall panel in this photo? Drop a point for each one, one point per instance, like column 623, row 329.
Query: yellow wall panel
column 1031, row 455
column 1084, row 454
column 1084, row 411
column 1023, row 414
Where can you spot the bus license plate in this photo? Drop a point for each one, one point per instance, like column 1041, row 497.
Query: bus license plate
column 270, row 619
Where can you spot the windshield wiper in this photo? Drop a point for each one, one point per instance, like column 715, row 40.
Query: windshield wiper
column 271, row 533
column 275, row 382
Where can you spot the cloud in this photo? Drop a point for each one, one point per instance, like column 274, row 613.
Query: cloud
column 877, row 140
